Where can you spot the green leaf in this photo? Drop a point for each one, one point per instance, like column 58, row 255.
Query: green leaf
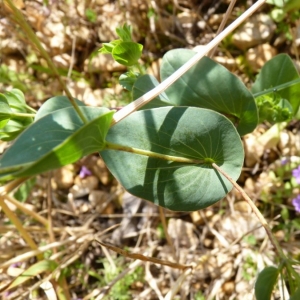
column 11, row 130
column 11, row 126
column 193, row 133
column 15, row 126
column 286, row 5
column 128, row 79
column 277, row 71
column 210, row 85
column 16, row 100
column 32, row 271
column 284, row 111
column 55, row 103
column 278, row 3
column 124, row 33
column 106, row 48
column 143, row 85
column 291, row 5
column 278, row 14
column 273, row 109
column 55, row 140
column 127, row 53
column 5, row 111
column 265, row 283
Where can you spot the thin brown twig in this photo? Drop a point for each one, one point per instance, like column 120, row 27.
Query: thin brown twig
column 24, row 256
column 222, row 25
column 72, row 58
column 49, row 208
column 9, row 187
column 4, row 190
column 14, row 219
column 255, row 210
column 143, row 257
column 152, row 282
column 27, row 211
column 72, row 230
column 177, row 284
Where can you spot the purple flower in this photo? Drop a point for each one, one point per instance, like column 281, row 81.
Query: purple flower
column 296, row 203
column 84, row 172
column 284, row 161
column 16, row 265
column 296, row 174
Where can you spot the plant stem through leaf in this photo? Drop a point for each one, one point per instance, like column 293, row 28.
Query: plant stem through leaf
column 112, row 146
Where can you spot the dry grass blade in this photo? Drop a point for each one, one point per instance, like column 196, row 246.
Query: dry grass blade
column 41, row 249
column 152, row 282
column 165, row 228
column 143, row 257
column 176, row 286
column 27, row 211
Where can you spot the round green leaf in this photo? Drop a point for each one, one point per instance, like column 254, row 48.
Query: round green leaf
column 145, row 84
column 193, row 133
column 210, row 85
column 55, row 103
column 265, row 283
column 127, row 53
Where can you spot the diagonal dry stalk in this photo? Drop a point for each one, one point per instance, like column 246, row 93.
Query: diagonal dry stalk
column 146, row 98
column 222, row 25
column 255, row 210
column 4, row 190
column 139, row 256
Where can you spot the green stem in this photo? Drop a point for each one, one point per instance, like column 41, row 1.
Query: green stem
column 10, row 170
column 277, row 88
column 34, row 39
column 31, row 109
column 140, row 69
column 291, row 270
column 25, row 115
column 112, row 146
